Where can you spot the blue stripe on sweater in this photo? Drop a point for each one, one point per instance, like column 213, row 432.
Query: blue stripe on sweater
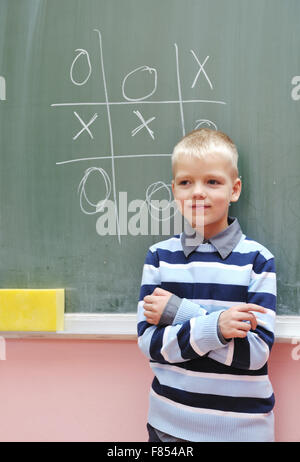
column 205, row 364
column 183, row 338
column 207, row 291
column 267, row 336
column 264, row 299
column 151, row 259
column 235, row 258
column 156, row 344
column 241, row 355
column 216, row 402
column 146, row 289
column 141, row 327
column 261, row 265
column 211, row 291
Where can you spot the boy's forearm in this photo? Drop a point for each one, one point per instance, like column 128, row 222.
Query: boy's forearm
column 170, row 311
column 182, row 342
column 172, row 314
column 179, row 310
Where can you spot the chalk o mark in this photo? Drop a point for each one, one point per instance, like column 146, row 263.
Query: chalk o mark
column 81, row 190
column 140, row 69
column 205, row 122
column 153, row 189
column 85, row 53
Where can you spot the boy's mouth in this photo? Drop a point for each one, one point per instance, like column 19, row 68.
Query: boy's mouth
column 200, row 206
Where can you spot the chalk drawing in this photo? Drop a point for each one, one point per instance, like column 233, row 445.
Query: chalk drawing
column 97, row 207
column 85, row 126
column 209, row 123
column 151, row 71
column 149, row 74
column 201, row 69
column 144, row 124
column 81, row 53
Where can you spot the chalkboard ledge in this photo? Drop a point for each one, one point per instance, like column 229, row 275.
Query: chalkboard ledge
column 123, row 327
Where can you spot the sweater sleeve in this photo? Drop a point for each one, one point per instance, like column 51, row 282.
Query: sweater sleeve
column 174, row 343
column 179, row 310
column 252, row 352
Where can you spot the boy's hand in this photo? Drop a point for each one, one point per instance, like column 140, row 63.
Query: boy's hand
column 155, row 304
column 231, row 321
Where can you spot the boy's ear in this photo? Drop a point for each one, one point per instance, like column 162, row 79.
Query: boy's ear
column 173, row 187
column 236, row 190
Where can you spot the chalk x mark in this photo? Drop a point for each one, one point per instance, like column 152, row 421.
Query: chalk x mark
column 144, row 124
column 85, row 126
column 201, row 69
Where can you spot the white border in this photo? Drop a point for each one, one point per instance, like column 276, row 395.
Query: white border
column 123, row 327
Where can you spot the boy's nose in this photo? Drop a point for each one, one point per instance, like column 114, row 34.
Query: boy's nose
column 199, row 192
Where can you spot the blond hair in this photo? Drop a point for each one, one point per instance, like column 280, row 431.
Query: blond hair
column 203, row 142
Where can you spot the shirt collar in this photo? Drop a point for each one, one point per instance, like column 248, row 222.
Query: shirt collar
column 224, row 242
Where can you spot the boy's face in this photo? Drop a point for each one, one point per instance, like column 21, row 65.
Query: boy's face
column 203, row 189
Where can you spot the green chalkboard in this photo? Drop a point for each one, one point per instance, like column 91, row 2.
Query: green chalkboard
column 93, row 96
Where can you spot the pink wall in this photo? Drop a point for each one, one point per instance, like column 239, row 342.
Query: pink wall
column 94, row 390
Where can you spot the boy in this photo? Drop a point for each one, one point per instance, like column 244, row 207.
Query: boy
column 207, row 308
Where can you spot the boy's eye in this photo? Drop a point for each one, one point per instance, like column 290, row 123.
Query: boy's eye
column 183, row 182
column 213, row 182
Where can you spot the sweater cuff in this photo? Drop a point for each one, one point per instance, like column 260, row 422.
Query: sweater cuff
column 170, row 311
column 203, row 335
column 220, row 335
column 188, row 310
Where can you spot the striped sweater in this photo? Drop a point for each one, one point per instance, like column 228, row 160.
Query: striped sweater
column 203, row 389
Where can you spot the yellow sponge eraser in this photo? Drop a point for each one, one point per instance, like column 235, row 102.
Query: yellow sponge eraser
column 32, row 309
